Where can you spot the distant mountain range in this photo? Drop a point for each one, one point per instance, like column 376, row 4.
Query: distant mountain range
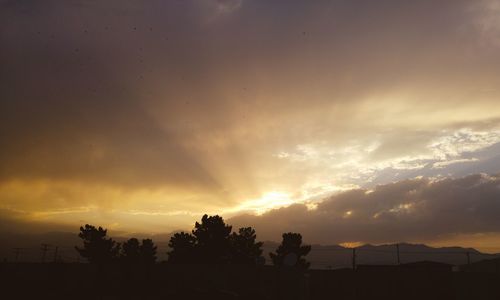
column 321, row 256
column 335, row 256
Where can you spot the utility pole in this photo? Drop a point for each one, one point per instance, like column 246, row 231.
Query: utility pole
column 354, row 258
column 55, row 254
column 17, row 251
column 397, row 252
column 468, row 257
column 44, row 249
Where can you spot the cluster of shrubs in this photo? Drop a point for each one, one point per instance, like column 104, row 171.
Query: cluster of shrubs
column 211, row 241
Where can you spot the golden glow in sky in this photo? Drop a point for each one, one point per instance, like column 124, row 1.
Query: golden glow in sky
column 143, row 118
column 265, row 203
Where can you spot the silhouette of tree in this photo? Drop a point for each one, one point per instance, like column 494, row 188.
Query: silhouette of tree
column 134, row 252
column 212, row 240
column 291, row 252
column 244, row 248
column 148, row 251
column 183, row 248
column 96, row 247
column 131, row 251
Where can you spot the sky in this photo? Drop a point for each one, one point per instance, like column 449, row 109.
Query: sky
column 349, row 121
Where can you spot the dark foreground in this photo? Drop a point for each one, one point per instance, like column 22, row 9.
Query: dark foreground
column 161, row 281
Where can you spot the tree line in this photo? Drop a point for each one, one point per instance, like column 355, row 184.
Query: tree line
column 212, row 241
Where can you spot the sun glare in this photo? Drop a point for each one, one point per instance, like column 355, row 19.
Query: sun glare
column 265, row 203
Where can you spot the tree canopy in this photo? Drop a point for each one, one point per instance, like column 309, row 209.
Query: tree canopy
column 97, row 248
column 182, row 248
column 212, row 239
column 291, row 252
column 148, row 251
column 135, row 252
column 245, row 249
column 212, row 242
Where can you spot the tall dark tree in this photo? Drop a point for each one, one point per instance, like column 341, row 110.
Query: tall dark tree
column 244, row 248
column 97, row 248
column 131, row 251
column 182, row 248
column 148, row 251
column 212, row 240
column 135, row 252
column 291, row 252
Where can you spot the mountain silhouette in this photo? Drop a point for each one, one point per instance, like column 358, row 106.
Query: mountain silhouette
column 336, row 256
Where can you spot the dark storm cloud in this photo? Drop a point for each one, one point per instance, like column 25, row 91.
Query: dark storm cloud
column 71, row 101
column 77, row 76
column 409, row 210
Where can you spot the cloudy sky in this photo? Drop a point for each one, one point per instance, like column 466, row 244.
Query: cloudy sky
column 379, row 120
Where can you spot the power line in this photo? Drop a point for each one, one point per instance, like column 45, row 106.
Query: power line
column 55, row 254
column 354, row 258
column 17, row 251
column 397, row 250
column 44, row 249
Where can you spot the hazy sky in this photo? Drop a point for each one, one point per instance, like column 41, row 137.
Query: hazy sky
column 142, row 115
